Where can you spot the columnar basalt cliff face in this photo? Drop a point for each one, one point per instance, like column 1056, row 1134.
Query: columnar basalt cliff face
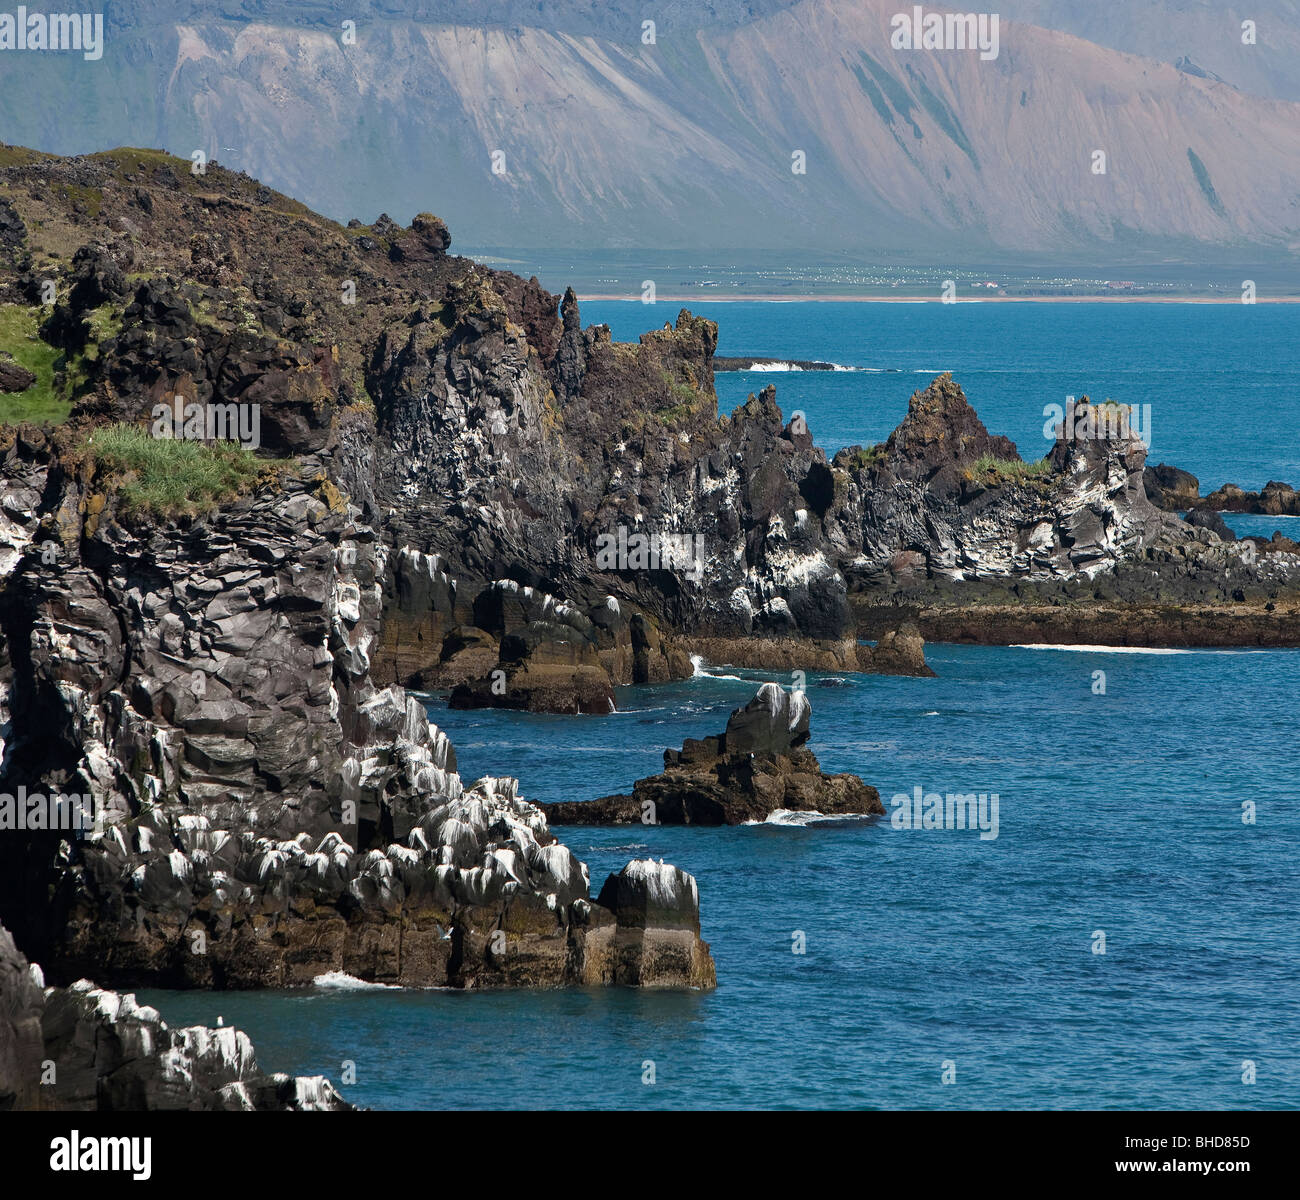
column 603, row 474
column 269, row 814
column 193, row 644
column 83, row 1049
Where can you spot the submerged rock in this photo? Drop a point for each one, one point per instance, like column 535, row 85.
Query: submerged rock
column 760, row 764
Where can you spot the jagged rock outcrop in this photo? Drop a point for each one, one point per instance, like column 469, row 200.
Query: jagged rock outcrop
column 758, row 766
column 271, row 815
column 83, row 1049
column 1171, row 488
column 943, row 498
column 983, row 547
column 203, row 671
column 1274, row 500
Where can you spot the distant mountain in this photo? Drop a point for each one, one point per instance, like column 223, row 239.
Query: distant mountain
column 1206, row 34
column 689, row 142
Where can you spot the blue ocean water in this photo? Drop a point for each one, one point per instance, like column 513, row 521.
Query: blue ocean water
column 1119, row 813
column 1221, row 379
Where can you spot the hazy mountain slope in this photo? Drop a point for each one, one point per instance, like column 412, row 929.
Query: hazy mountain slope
column 1206, row 32
column 688, row 142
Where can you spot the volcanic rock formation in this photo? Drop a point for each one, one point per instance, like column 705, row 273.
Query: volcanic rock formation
column 81, row 1048
column 758, row 766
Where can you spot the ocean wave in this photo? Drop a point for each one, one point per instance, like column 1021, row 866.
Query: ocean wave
column 779, row 365
column 340, row 981
column 799, row 818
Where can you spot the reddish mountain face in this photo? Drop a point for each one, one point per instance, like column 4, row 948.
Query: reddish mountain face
column 799, row 127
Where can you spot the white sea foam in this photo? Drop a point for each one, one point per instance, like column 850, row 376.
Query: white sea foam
column 340, row 981
column 800, row 818
column 778, row 365
column 1128, row 649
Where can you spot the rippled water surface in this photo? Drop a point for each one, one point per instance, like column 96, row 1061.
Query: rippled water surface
column 1119, row 813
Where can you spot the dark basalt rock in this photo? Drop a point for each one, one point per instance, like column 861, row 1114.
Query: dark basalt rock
column 545, row 667
column 931, row 512
column 14, row 377
column 540, row 654
column 84, row 1049
column 1209, row 518
column 1274, row 499
column 940, row 437
column 207, row 682
column 1170, row 488
column 759, row 765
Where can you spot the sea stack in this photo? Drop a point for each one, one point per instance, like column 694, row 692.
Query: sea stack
column 758, row 766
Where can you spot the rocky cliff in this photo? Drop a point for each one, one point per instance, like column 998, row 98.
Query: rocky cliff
column 82, row 1049
column 758, row 766
column 971, row 543
column 193, row 625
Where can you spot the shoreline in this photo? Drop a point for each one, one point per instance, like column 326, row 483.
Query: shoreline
column 1117, row 625
column 772, row 298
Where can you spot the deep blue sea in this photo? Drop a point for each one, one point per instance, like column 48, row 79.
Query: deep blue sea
column 1221, row 379
column 1120, row 812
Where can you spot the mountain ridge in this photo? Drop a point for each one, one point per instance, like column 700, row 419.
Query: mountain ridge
column 689, row 142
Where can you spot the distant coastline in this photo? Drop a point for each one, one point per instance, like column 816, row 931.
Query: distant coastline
column 772, row 298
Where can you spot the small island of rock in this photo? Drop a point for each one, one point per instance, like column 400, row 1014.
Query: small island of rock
column 760, row 765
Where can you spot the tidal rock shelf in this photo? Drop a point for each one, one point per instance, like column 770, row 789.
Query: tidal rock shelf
column 969, row 543
column 760, row 765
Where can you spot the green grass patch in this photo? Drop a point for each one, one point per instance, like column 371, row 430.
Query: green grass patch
column 864, row 457
column 41, row 403
column 1009, row 469
column 20, row 156
column 167, row 477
